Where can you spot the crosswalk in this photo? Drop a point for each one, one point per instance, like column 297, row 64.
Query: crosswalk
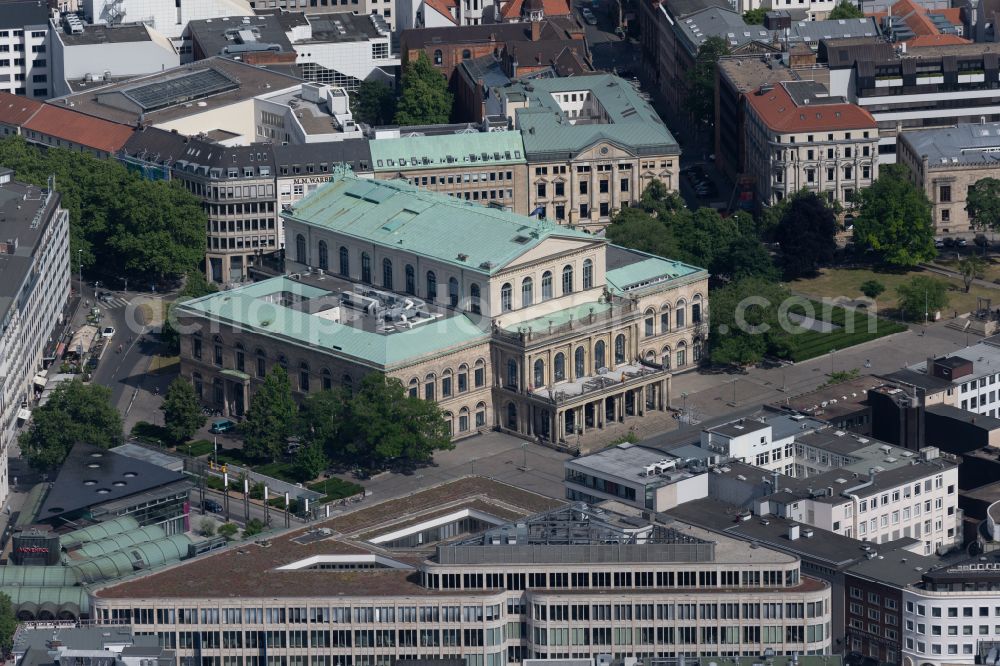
column 115, row 302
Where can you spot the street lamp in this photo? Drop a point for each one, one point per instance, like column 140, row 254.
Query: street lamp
column 79, row 263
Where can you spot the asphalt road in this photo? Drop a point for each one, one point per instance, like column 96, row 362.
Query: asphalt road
column 237, row 513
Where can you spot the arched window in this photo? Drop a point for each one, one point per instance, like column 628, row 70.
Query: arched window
column 567, row 280
column 304, row 376
column 387, row 273
column 366, row 268
column 599, row 355
column 679, row 313
column 479, row 373
column 449, row 419
column 527, row 289
column 474, row 298
column 649, row 323
column 559, row 367
column 579, row 363
column 665, row 358
column 326, row 379
column 506, row 298
column 438, row 57
column 261, row 363
column 432, row 286
column 446, row 385
column 463, row 419
column 463, row 378
column 588, row 274
column 411, row 280
column 681, row 355
column 324, row 259
column 511, row 373
column 546, row 285
column 348, row 383
column 345, row 262
column 411, row 388
column 696, row 310
column 511, row 416
column 696, row 351
column 466, row 54
column 620, row 348
column 430, row 382
column 453, row 292
column 539, row 373
column 665, row 318
column 481, row 415
column 300, row 249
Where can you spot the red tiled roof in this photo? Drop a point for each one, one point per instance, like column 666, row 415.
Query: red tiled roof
column 441, row 7
column 778, row 111
column 936, row 40
column 17, row 110
column 551, row 8
column 79, row 128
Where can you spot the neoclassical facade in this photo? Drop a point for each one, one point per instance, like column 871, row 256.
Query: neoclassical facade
column 505, row 321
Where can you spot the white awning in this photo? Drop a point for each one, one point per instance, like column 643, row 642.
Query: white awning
column 40, row 381
column 23, row 414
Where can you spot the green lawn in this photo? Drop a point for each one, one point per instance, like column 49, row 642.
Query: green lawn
column 149, row 433
column 845, row 283
column 196, row 448
column 856, row 326
column 334, row 489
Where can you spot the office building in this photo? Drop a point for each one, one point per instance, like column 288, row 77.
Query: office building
column 167, row 17
column 89, row 56
column 339, row 49
column 63, row 646
column 489, row 579
column 529, row 326
column 945, row 163
column 799, row 137
column 34, row 288
column 592, row 145
column 25, row 45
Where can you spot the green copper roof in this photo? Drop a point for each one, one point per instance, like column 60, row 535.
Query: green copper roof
column 560, row 317
column 437, row 151
column 649, row 271
column 395, row 214
column 628, row 120
column 252, row 307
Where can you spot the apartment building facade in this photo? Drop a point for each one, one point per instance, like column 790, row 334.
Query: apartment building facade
column 799, row 138
column 25, row 49
column 35, row 289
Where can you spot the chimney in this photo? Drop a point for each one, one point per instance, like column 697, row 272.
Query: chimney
column 536, row 30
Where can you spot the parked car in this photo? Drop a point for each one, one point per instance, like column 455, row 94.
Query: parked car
column 961, row 242
column 938, row 243
column 211, row 506
column 108, row 332
column 222, row 425
column 588, row 16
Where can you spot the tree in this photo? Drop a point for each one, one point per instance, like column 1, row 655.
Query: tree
column 700, row 100
column 425, row 99
column 894, row 219
column 872, row 288
column 971, row 268
column 271, row 417
column 982, row 203
column 120, row 222
column 374, row 103
column 920, row 295
column 745, row 257
column 806, row 233
column 309, row 462
column 75, row 412
column 253, row 528
column 8, row 623
column 389, row 426
column 324, row 420
column 745, row 322
column 207, row 527
column 182, row 413
column 754, row 16
column 845, row 10
column 228, row 530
